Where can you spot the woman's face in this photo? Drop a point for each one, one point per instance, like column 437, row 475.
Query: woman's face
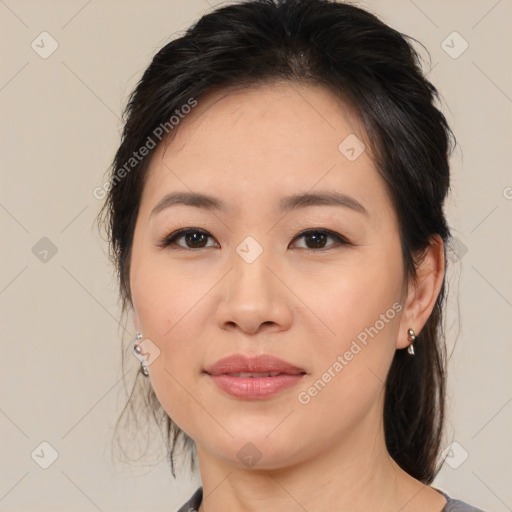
column 244, row 280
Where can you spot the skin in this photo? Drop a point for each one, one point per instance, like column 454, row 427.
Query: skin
column 250, row 148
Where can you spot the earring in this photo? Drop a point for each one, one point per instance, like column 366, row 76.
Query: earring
column 137, row 350
column 411, row 336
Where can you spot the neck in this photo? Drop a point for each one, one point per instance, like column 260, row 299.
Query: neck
column 355, row 473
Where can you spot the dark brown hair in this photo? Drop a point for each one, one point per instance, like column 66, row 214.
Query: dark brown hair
column 374, row 69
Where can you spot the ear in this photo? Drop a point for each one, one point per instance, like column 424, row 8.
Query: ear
column 423, row 292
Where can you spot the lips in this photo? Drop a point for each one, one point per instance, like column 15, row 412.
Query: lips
column 254, row 378
column 255, row 375
column 260, row 366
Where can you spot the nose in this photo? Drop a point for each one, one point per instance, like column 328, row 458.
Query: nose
column 253, row 298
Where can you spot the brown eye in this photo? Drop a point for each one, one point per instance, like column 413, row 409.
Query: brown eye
column 196, row 239
column 317, row 239
column 193, row 239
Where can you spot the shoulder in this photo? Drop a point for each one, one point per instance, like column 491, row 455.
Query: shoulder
column 454, row 505
column 193, row 503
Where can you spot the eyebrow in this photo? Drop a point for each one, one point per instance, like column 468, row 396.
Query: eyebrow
column 286, row 204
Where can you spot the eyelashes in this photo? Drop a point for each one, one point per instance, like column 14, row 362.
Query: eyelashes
column 185, row 233
column 196, row 237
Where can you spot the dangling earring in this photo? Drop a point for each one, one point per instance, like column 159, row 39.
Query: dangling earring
column 137, row 351
column 411, row 336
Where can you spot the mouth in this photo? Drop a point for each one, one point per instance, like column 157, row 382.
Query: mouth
column 256, row 375
column 255, row 385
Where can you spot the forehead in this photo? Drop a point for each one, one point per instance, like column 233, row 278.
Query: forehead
column 254, row 143
column 273, row 116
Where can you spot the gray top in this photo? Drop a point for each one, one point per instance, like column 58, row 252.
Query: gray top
column 452, row 505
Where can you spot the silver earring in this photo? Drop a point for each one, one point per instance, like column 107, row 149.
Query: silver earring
column 411, row 336
column 137, row 350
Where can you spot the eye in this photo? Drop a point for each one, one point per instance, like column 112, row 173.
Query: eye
column 194, row 239
column 316, row 239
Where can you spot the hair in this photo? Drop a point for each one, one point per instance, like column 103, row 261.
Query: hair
column 375, row 70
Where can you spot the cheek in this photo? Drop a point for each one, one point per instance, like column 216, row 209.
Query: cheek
column 169, row 309
column 164, row 320
column 352, row 295
column 362, row 310
column 350, row 368
column 169, row 305
column 165, row 293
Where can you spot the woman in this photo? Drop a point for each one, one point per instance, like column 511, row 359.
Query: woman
column 275, row 214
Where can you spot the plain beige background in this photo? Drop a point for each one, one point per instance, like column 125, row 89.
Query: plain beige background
column 60, row 366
